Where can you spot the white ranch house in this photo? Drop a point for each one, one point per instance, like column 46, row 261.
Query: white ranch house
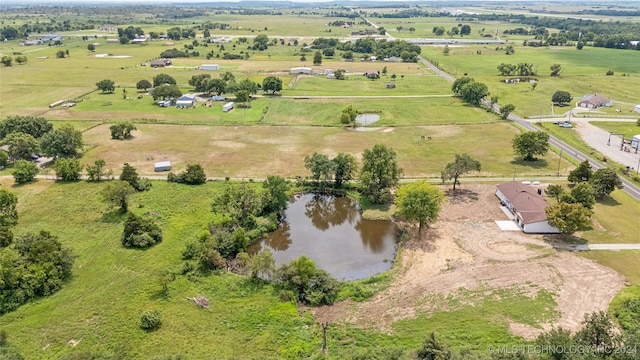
column 527, row 206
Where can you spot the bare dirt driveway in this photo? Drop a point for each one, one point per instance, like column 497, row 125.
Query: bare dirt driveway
column 465, row 250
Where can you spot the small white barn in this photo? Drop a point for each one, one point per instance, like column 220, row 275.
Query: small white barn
column 162, row 166
column 228, row 106
column 210, row 67
column 637, row 108
column 635, row 142
column 527, row 206
column 186, row 101
column 112, row 41
column 301, row 70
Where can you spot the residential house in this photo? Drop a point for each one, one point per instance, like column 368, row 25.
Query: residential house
column 527, row 206
column 593, row 101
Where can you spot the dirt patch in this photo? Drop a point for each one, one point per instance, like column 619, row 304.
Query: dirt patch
column 465, row 250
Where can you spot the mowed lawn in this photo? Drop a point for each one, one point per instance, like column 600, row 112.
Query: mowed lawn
column 259, row 151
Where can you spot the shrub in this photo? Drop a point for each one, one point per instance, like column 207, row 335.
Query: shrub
column 24, row 171
column 194, row 175
column 151, row 320
column 609, row 72
column 140, row 232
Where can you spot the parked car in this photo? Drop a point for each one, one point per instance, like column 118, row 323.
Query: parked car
column 565, row 124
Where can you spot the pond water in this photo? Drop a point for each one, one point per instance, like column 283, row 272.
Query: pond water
column 331, row 231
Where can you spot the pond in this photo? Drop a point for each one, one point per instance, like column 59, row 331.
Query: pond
column 331, row 231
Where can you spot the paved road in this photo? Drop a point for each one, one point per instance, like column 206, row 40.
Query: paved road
column 613, row 247
column 567, row 150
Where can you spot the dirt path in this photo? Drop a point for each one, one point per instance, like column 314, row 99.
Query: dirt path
column 467, row 251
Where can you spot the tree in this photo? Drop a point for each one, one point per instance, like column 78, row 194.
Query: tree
column 162, row 79
column 166, row 92
column 62, row 142
column 242, row 96
column 463, row 164
column 96, row 171
column 6, row 239
column 555, row 191
column 505, row 110
column 7, row 60
column 581, row 173
column 348, row 115
column 311, row 285
column 509, row 50
column 531, row 143
column 21, row 59
column 561, row 97
column 275, row 196
column 446, row 50
column 123, row 40
column 199, row 81
column 473, row 92
column 345, row 168
column 8, row 212
column 33, row 125
column 122, row 130
column 24, row 171
column 557, row 340
column 106, row 86
column 219, row 86
column 21, row 145
column 506, row 69
column 130, row 175
column 379, row 173
column 555, row 69
column 60, row 54
column 68, row 169
column 91, row 47
column 240, row 201
column 140, row 232
column 320, row 166
column 143, row 84
column 584, row 194
column 598, row 332
column 568, row 218
column 605, row 181
column 4, row 158
column 317, row 58
column 580, row 45
column 193, row 175
column 272, row 83
column 459, row 83
column 419, row 201
column 432, row 349
column 117, row 193
column 261, row 42
column 261, row 265
column 150, row 320
column 465, row 30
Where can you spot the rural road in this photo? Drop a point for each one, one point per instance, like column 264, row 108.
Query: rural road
column 613, row 247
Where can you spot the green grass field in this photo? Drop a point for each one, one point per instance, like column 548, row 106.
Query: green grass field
column 111, row 286
column 259, row 151
column 629, row 129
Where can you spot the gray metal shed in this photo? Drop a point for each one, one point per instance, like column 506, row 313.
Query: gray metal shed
column 162, row 166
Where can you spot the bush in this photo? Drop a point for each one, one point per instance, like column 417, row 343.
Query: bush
column 194, row 175
column 140, row 232
column 311, row 285
column 609, row 72
column 68, row 169
column 24, row 171
column 151, row 320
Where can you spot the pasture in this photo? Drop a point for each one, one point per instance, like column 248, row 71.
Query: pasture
column 259, row 151
column 583, row 73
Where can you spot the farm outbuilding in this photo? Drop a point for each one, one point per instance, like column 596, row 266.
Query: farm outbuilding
column 228, row 106
column 301, row 70
column 160, row 63
column 162, row 166
column 186, row 101
column 210, row 67
column 637, row 108
column 527, row 206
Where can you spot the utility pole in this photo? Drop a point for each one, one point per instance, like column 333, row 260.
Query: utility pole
column 560, row 158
